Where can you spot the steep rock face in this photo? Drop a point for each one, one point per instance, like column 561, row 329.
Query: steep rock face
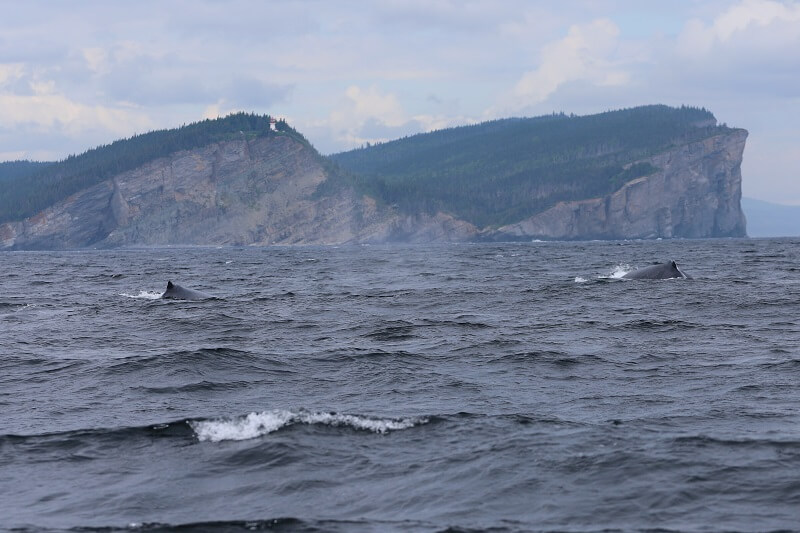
column 390, row 226
column 696, row 193
column 83, row 218
column 235, row 193
column 262, row 191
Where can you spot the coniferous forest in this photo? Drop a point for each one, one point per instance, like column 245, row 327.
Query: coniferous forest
column 12, row 170
column 489, row 174
column 503, row 171
column 26, row 187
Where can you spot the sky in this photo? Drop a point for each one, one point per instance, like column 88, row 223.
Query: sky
column 78, row 74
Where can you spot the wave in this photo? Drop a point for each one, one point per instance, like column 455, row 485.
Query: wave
column 257, row 425
column 706, row 440
column 201, row 386
column 399, row 330
column 215, row 357
column 355, row 354
column 655, row 325
column 111, row 436
column 13, row 306
column 402, row 330
column 144, row 295
column 246, row 427
column 287, row 294
column 549, row 357
column 618, row 271
column 295, row 525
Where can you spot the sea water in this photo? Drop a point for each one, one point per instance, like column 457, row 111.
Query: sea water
column 461, row 387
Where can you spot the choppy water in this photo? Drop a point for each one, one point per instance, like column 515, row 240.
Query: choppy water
column 500, row 387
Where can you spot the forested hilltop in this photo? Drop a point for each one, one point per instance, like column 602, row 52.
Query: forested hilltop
column 12, row 170
column 503, row 171
column 27, row 187
column 641, row 173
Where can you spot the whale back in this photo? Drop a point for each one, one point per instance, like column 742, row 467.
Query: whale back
column 668, row 270
column 176, row 292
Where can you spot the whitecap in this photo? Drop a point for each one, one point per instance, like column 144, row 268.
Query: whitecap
column 145, row 295
column 259, row 424
column 618, row 272
column 377, row 425
column 579, row 279
column 248, row 427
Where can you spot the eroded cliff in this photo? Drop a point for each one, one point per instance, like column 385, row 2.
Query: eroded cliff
column 265, row 191
column 695, row 193
column 236, row 192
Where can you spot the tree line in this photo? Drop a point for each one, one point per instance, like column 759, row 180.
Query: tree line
column 502, row 171
column 26, row 188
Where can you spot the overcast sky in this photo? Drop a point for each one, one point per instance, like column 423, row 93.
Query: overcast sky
column 77, row 74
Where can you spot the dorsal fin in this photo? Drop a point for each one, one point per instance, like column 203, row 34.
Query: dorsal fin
column 674, row 264
column 169, row 285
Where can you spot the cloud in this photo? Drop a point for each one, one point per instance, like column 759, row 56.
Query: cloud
column 35, row 109
column 252, row 93
column 136, row 76
column 766, row 23
column 368, row 115
column 747, row 51
column 586, row 53
column 365, row 107
column 10, row 72
column 448, row 15
column 50, row 110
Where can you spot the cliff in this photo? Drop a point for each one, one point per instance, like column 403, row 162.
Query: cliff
column 276, row 189
column 695, row 192
column 234, row 192
column 246, row 192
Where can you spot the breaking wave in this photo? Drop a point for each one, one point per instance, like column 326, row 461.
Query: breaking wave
column 259, row 424
column 144, row 295
column 618, row 272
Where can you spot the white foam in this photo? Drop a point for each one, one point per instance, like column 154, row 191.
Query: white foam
column 618, row 272
column 249, row 427
column 259, row 424
column 145, row 295
column 579, row 279
column 376, row 425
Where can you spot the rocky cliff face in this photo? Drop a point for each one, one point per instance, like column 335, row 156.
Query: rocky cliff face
column 261, row 192
column 255, row 192
column 696, row 193
column 236, row 193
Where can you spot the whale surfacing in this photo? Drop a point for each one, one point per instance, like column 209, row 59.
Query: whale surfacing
column 176, row 292
column 668, row 270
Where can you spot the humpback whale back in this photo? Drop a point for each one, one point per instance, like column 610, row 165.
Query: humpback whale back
column 668, row 270
column 176, row 292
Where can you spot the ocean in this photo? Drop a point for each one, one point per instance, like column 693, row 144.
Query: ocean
column 462, row 387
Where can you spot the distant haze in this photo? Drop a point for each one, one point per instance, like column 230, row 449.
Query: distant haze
column 766, row 219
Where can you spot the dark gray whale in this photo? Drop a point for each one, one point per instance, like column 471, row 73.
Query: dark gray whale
column 668, row 270
column 176, row 292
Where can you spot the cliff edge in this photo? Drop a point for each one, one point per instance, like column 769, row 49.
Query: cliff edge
column 227, row 193
column 248, row 192
column 276, row 189
column 695, row 192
